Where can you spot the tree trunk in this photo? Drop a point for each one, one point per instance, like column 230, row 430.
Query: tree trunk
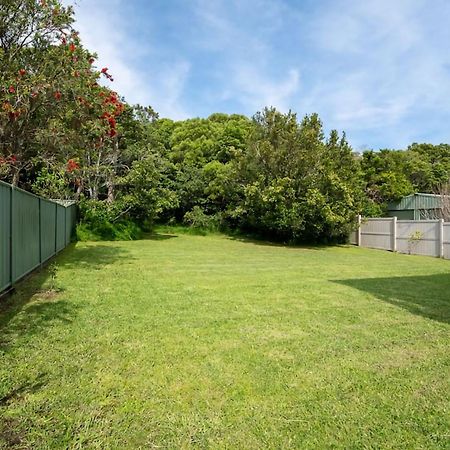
column 78, row 191
column 16, row 176
column 111, row 182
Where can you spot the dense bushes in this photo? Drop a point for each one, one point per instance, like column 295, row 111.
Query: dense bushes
column 103, row 221
column 296, row 185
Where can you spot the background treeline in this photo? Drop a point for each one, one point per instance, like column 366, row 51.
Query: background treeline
column 64, row 135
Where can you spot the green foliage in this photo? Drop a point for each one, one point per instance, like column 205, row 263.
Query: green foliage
column 100, row 220
column 198, row 220
column 385, row 176
column 429, row 166
column 202, row 152
column 144, row 192
column 390, row 175
column 296, row 185
column 52, row 184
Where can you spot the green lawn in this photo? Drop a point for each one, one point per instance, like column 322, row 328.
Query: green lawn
column 209, row 342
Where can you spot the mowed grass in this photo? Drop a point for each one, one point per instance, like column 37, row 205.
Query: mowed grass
column 209, row 342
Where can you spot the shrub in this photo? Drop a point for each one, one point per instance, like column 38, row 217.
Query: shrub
column 100, row 220
column 198, row 220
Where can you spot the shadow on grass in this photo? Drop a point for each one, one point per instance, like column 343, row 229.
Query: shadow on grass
column 93, row 256
column 36, row 303
column 31, row 308
column 12, row 433
column 427, row 296
column 23, row 389
column 261, row 241
column 158, row 236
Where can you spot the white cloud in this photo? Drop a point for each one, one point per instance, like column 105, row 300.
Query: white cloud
column 257, row 90
column 103, row 30
column 246, row 72
column 389, row 66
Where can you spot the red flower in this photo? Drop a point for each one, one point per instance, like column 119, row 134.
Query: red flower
column 72, row 47
column 12, row 89
column 57, row 95
column 9, row 160
column 22, row 72
column 104, row 70
column 13, row 115
column 91, row 60
column 72, row 165
column 112, row 132
column 112, row 122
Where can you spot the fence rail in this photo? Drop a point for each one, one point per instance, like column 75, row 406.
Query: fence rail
column 417, row 237
column 32, row 230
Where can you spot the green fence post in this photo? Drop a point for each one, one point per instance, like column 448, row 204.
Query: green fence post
column 56, row 229
column 11, row 237
column 40, row 231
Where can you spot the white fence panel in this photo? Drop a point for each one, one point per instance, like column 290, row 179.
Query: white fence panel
column 418, row 237
column 447, row 240
column 377, row 233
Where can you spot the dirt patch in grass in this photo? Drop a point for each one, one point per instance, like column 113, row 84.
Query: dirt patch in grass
column 11, row 435
column 47, row 294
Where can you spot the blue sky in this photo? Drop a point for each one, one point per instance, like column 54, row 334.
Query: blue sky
column 377, row 69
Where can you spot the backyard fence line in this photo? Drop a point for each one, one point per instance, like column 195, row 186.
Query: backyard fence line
column 32, row 230
column 415, row 237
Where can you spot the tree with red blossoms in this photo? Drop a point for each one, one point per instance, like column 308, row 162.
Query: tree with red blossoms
column 52, row 107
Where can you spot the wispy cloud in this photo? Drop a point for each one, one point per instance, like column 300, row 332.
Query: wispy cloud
column 104, row 30
column 389, row 64
column 378, row 69
column 246, row 71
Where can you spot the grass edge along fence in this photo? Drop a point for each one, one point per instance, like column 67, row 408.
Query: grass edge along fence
column 32, row 230
column 414, row 237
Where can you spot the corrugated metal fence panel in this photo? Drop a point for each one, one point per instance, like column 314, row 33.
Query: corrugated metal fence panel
column 376, row 233
column 32, row 230
column 5, row 232
column 60, row 227
column 418, row 237
column 25, row 226
column 447, row 240
column 48, row 229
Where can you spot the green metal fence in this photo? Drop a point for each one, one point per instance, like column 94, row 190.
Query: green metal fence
column 32, row 230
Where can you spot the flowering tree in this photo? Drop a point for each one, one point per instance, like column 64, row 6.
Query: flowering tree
column 55, row 118
column 31, row 65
